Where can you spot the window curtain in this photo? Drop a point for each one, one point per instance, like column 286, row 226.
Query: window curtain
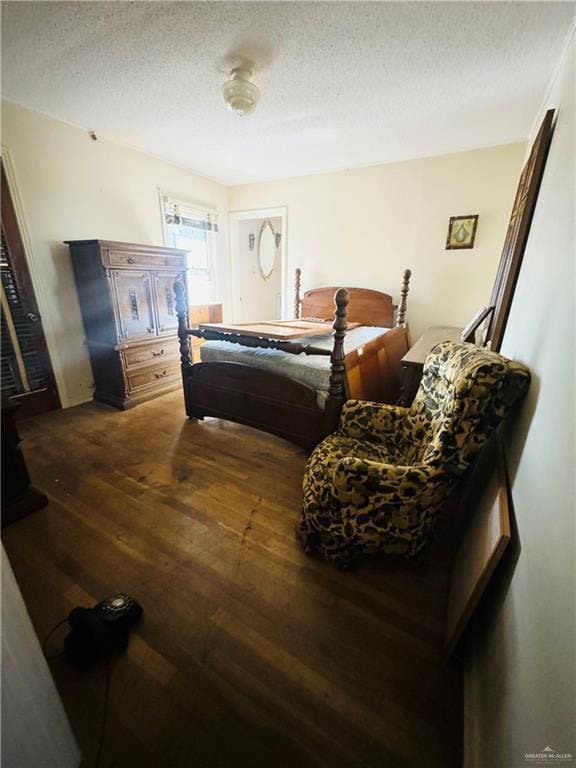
column 183, row 215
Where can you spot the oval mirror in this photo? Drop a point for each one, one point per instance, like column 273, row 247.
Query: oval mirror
column 266, row 249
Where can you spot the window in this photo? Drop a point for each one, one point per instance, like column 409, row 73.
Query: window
column 193, row 230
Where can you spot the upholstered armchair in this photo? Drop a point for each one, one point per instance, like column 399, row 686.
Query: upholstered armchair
column 378, row 484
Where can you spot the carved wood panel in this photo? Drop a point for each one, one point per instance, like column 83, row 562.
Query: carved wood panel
column 134, row 303
column 517, row 234
column 166, row 301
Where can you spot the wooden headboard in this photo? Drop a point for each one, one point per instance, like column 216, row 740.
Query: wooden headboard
column 367, row 306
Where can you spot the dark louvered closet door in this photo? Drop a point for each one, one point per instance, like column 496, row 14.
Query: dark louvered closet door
column 26, row 372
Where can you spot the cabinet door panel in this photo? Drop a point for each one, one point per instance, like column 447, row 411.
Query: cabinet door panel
column 134, row 306
column 166, row 301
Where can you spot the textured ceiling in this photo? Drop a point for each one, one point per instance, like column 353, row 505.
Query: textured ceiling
column 344, row 84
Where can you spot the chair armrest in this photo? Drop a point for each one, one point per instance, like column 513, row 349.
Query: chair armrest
column 398, row 503
column 360, row 484
column 364, row 420
column 375, row 476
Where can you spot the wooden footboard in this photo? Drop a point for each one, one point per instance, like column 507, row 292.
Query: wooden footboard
column 374, row 371
column 259, row 399
column 273, row 403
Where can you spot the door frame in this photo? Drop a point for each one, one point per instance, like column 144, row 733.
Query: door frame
column 16, row 237
column 43, row 298
column 234, row 219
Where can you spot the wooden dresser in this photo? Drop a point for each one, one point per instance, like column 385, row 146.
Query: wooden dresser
column 128, row 308
column 413, row 361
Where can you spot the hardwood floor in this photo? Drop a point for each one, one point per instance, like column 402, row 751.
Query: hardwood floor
column 249, row 653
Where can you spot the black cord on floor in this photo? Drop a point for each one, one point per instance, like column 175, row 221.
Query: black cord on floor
column 104, row 714
column 106, row 690
column 48, row 636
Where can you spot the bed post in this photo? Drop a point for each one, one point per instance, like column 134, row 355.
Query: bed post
column 182, row 313
column 401, row 312
column 337, row 389
column 297, row 293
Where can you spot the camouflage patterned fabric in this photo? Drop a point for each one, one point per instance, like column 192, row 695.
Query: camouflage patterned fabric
column 378, row 483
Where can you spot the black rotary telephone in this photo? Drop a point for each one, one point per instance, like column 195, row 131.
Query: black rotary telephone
column 96, row 632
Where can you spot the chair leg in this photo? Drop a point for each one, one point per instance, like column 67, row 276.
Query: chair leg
column 337, row 552
column 309, row 539
column 342, row 557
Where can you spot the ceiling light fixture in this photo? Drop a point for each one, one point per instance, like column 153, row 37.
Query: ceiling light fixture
column 240, row 94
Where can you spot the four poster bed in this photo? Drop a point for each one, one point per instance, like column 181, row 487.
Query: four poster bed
column 291, row 378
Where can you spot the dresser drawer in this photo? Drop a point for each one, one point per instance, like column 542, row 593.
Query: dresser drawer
column 148, row 354
column 153, row 377
column 150, row 260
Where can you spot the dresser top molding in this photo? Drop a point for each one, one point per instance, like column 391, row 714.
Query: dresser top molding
column 126, row 246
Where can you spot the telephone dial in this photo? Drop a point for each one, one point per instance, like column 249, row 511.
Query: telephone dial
column 96, row 632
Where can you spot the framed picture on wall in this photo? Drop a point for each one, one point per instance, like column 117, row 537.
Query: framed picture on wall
column 461, row 231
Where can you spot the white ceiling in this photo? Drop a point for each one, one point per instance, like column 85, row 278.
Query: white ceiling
column 344, row 84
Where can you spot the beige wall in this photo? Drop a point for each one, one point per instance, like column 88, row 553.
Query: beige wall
column 359, row 227
column 35, row 729
column 521, row 684
column 363, row 227
column 71, row 187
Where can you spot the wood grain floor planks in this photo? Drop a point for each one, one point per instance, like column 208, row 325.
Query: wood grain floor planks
column 249, row 654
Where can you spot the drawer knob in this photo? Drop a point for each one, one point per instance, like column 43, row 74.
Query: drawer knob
column 160, row 375
column 158, row 354
column 130, row 260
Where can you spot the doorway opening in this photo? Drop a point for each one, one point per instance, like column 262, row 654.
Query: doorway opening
column 258, row 260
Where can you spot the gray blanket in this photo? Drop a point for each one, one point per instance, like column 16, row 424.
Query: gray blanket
column 313, row 370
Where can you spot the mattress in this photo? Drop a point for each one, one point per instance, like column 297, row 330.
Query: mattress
column 311, row 370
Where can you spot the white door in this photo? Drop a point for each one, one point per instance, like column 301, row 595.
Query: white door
column 259, row 292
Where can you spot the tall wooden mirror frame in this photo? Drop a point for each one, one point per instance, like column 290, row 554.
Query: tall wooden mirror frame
column 517, row 233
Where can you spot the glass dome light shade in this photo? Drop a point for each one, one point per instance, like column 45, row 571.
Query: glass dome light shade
column 240, row 95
